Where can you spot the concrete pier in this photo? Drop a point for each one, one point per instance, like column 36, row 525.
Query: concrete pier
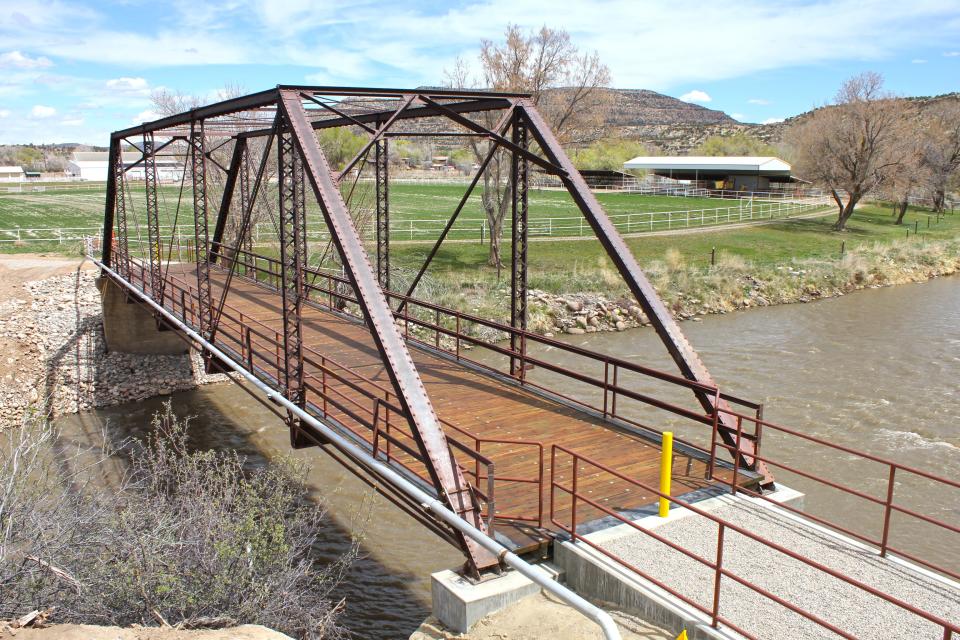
column 130, row 328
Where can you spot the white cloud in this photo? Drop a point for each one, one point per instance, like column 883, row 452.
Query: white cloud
column 146, row 116
column 696, row 96
column 17, row 60
column 951, row 54
column 772, row 121
column 42, row 111
column 72, row 122
column 4, row 113
column 135, row 85
column 760, row 101
column 918, row 61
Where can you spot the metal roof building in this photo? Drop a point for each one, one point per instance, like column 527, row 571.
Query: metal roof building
column 735, row 172
column 11, row 174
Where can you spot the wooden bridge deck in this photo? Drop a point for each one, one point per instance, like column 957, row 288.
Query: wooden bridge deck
column 487, row 408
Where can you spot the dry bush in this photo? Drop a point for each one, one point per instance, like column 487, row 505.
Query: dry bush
column 184, row 537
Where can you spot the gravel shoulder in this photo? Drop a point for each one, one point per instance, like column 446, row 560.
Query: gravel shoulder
column 89, row 632
column 852, row 609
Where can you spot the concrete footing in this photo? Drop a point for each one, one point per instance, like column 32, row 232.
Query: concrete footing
column 131, row 328
column 459, row 603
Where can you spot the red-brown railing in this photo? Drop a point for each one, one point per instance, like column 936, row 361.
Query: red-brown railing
column 335, row 389
column 715, row 565
column 885, row 502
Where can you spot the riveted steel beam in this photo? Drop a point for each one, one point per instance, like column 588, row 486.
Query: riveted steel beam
column 381, row 168
column 444, row 472
column 619, row 253
column 237, row 163
column 520, row 172
column 153, row 217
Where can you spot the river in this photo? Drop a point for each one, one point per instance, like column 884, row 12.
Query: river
column 876, row 370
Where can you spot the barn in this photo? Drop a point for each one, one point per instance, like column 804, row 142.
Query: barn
column 735, row 173
column 92, row 165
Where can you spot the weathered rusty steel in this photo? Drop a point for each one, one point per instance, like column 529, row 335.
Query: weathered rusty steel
column 446, row 475
column 375, row 138
column 201, row 249
column 238, row 162
column 657, row 313
column 115, row 206
column 382, row 187
column 519, row 209
column 153, row 216
column 292, row 261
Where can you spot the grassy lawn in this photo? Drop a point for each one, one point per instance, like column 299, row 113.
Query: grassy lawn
column 418, row 212
column 558, row 266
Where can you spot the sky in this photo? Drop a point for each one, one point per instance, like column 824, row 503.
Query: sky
column 73, row 71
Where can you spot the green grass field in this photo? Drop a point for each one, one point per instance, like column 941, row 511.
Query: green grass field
column 582, row 265
column 418, row 212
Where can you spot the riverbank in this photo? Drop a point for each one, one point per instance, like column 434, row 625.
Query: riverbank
column 52, row 349
column 691, row 290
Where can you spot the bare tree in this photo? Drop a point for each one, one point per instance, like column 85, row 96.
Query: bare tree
column 848, row 146
column 910, row 140
column 566, row 85
column 941, row 153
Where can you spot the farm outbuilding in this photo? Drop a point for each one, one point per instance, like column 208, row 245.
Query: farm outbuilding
column 11, row 174
column 92, row 165
column 736, row 173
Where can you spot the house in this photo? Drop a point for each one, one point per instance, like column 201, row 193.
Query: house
column 93, row 165
column 11, row 174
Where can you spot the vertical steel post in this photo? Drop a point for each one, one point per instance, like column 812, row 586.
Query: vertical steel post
column 245, row 241
column 290, row 173
column 201, row 238
column 120, row 208
column 153, row 217
column 110, row 203
column 381, row 165
column 518, row 264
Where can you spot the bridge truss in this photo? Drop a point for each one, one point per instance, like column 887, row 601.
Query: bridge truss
column 265, row 157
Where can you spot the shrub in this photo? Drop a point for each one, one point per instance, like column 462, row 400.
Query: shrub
column 184, row 537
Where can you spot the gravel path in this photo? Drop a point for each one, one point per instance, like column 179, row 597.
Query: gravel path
column 855, row 611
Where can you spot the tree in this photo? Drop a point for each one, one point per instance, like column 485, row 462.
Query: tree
column 738, row 144
column 848, row 146
column 608, row 153
column 566, row 85
column 910, row 139
column 941, row 152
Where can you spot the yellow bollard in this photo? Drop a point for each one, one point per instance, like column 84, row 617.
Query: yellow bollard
column 683, row 635
column 666, row 469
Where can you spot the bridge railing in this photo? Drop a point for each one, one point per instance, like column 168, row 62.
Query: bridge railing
column 891, row 519
column 569, row 469
column 369, row 409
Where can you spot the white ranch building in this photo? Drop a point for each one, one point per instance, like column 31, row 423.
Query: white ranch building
column 12, row 174
column 92, row 165
column 736, row 173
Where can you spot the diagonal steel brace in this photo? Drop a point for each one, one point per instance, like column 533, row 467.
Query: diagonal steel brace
column 444, row 472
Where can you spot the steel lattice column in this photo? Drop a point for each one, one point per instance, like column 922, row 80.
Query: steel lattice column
column 383, row 214
column 153, row 217
column 518, row 266
column 120, row 208
column 198, row 166
column 245, row 241
column 292, row 245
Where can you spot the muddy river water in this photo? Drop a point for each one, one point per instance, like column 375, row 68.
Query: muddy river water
column 878, row 371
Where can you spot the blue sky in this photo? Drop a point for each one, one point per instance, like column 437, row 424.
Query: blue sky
column 74, row 71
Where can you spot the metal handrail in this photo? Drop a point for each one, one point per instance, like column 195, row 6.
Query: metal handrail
column 717, row 566
column 413, row 492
